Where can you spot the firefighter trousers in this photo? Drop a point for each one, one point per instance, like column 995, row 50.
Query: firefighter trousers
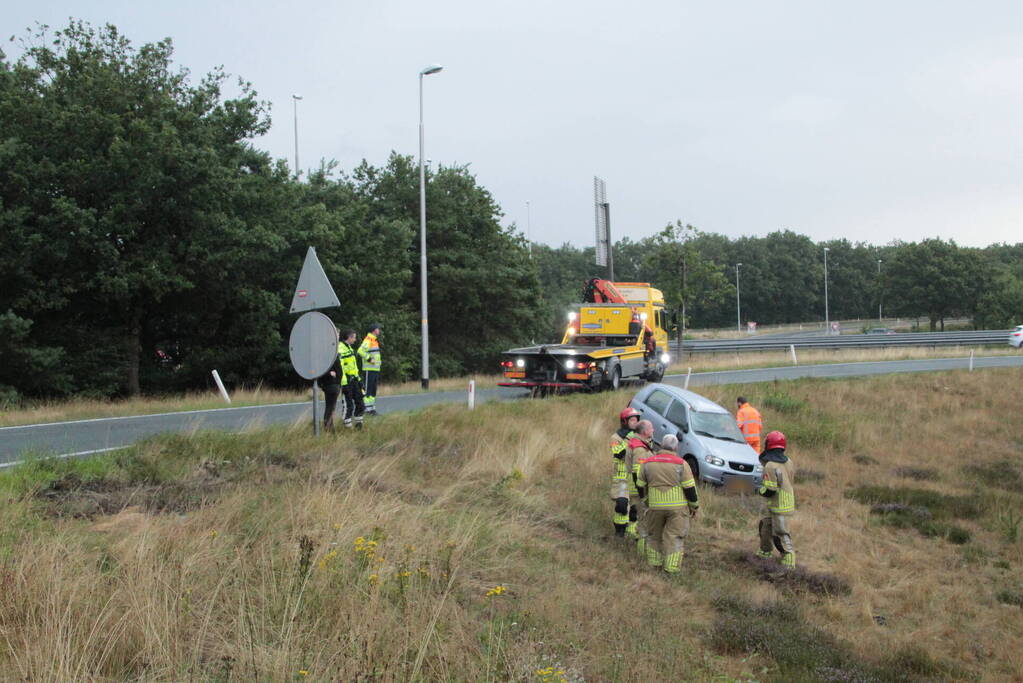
column 774, row 533
column 666, row 531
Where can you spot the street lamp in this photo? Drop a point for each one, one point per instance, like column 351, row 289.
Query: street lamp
column 827, row 317
column 738, row 309
column 880, row 292
column 295, row 99
column 432, row 69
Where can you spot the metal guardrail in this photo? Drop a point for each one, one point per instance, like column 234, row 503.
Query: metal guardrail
column 981, row 337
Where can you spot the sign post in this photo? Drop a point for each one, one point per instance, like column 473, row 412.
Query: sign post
column 313, row 342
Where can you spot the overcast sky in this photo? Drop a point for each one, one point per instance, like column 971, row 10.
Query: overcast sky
column 869, row 120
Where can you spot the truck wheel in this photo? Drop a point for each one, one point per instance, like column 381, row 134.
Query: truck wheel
column 616, row 378
column 657, row 374
column 694, row 466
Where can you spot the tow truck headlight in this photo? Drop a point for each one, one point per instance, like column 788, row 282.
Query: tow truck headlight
column 642, row 316
column 571, row 316
column 571, row 332
column 665, row 358
column 570, row 364
column 520, row 363
column 714, row 460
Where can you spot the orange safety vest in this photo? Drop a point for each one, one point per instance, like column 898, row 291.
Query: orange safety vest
column 750, row 424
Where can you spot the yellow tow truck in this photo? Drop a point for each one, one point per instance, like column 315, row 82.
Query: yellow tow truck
column 617, row 334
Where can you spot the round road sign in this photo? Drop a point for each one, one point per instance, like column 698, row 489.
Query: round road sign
column 313, row 345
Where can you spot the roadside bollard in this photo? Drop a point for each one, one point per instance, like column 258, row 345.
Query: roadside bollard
column 688, row 375
column 792, row 348
column 220, row 385
column 971, row 360
column 472, row 394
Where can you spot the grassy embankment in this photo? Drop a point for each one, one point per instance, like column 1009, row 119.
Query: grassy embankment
column 78, row 409
column 450, row 545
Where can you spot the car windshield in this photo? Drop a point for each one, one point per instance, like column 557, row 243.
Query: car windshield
column 717, row 425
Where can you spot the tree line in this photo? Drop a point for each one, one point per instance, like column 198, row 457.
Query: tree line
column 144, row 240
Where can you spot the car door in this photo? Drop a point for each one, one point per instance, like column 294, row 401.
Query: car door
column 654, row 408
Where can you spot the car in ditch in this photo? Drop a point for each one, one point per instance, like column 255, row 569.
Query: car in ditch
column 709, row 438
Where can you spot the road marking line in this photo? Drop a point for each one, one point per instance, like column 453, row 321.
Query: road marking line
column 66, row 455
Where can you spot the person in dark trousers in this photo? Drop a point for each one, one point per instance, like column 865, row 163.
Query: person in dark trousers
column 351, row 383
column 330, row 382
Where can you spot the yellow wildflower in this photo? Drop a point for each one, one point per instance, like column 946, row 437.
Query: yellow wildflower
column 496, row 590
column 213, row 533
column 374, row 579
column 303, row 672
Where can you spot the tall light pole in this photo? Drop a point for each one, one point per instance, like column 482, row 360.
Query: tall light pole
column 738, row 309
column 295, row 99
column 827, row 317
column 880, row 291
column 529, row 231
column 432, row 69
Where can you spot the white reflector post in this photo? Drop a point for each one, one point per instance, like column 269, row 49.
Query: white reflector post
column 472, row 394
column 971, row 360
column 792, row 348
column 688, row 375
column 220, row 385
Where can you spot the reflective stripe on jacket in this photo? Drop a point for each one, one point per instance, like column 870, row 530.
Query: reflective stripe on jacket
column 750, row 423
column 778, row 478
column 638, row 449
column 369, row 351
column 619, row 451
column 666, row 478
column 349, row 366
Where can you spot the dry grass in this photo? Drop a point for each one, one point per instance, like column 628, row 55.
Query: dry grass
column 86, row 409
column 706, row 362
column 238, row 557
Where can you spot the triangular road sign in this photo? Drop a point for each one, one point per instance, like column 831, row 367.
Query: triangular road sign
column 313, row 291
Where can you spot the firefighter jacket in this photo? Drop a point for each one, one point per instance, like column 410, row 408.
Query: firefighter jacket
column 668, row 482
column 638, row 449
column 349, row 366
column 777, row 487
column 619, row 450
column 369, row 352
column 750, row 424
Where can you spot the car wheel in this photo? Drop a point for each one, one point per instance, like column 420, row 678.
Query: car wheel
column 658, row 373
column 694, row 466
column 616, row 378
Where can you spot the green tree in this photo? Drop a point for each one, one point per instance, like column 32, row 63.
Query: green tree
column 114, row 175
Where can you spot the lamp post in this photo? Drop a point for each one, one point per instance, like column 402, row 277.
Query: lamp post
column 529, row 231
column 827, row 317
column 738, row 308
column 432, row 69
column 295, row 99
column 880, row 291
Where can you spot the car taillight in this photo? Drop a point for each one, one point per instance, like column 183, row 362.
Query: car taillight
column 507, row 364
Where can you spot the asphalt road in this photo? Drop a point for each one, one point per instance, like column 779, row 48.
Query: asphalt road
column 84, row 437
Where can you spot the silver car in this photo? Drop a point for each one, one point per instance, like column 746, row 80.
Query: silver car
column 709, row 439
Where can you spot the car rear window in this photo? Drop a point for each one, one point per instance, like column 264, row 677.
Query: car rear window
column 658, row 401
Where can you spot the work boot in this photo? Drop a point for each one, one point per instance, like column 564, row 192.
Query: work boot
column 673, row 563
column 630, row 530
column 764, row 554
column 619, row 530
column 653, row 558
column 641, row 547
column 788, row 560
column 348, row 422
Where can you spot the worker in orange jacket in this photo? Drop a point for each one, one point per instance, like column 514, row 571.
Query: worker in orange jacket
column 750, row 423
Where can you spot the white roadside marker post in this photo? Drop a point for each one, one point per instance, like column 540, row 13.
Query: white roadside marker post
column 220, row 385
column 971, row 360
column 792, row 348
column 472, row 394
column 688, row 375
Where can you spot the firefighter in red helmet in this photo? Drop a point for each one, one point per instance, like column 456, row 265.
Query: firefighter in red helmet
column 781, row 501
column 628, row 419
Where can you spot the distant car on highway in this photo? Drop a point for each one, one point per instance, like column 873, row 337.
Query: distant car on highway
column 709, row 439
column 880, row 330
column 1016, row 336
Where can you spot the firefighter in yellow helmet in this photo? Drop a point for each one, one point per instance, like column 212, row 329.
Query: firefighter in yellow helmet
column 781, row 501
column 621, row 477
column 640, row 446
column 671, row 500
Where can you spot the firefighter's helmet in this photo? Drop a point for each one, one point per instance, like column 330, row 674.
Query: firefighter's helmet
column 775, row 440
column 626, row 414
